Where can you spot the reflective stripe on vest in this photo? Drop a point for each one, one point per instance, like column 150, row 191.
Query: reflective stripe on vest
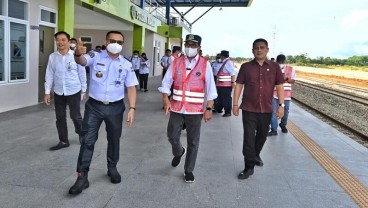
column 223, row 79
column 189, row 90
column 287, row 86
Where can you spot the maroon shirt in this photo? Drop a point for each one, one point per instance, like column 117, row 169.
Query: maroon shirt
column 259, row 82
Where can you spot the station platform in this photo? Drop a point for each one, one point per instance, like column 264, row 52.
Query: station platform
column 296, row 172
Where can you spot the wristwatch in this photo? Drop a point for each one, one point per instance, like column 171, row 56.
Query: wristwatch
column 281, row 105
column 209, row 108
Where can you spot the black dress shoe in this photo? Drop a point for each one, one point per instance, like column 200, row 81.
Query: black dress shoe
column 114, row 175
column 283, row 129
column 259, row 161
column 81, row 184
column 176, row 160
column 245, row 174
column 59, row 146
column 226, row 115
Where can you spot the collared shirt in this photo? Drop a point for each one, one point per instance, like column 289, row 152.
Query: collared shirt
column 145, row 67
column 259, row 82
column 211, row 92
column 108, row 77
column 216, row 67
column 165, row 61
column 65, row 74
column 136, row 62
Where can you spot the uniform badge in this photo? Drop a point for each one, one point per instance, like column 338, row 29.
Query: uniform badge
column 198, row 74
column 99, row 74
column 91, row 54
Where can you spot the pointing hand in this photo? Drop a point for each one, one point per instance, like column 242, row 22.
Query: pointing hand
column 80, row 49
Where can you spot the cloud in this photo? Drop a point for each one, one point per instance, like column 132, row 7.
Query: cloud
column 354, row 19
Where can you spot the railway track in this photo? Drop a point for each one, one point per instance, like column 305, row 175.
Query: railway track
column 339, row 93
column 339, row 85
column 343, row 125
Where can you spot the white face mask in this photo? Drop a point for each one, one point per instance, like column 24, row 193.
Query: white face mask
column 135, row 56
column 219, row 60
column 282, row 66
column 191, row 52
column 179, row 54
column 114, row 48
column 72, row 45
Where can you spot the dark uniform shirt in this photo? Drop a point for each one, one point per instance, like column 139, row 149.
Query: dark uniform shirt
column 259, row 82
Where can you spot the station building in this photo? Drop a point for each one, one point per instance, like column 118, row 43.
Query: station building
column 27, row 29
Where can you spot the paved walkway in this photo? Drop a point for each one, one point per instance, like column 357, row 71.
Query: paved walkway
column 33, row 176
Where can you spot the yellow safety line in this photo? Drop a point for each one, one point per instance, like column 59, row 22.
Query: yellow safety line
column 357, row 191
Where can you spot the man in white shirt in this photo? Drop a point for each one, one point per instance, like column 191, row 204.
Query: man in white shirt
column 111, row 75
column 192, row 100
column 165, row 62
column 136, row 62
column 70, row 84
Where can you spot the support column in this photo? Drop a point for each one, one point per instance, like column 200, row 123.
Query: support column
column 139, row 34
column 66, row 16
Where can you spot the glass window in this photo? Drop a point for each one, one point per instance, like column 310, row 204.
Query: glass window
column 2, row 72
column 47, row 16
column 18, row 9
column 18, row 34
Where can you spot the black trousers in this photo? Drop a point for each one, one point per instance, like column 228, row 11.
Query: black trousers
column 224, row 99
column 95, row 113
column 256, row 127
column 193, row 127
column 137, row 73
column 61, row 101
column 143, row 81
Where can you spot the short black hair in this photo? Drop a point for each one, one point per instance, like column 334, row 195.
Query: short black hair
column 73, row 39
column 281, row 58
column 260, row 40
column 135, row 51
column 62, row 33
column 114, row 32
column 167, row 50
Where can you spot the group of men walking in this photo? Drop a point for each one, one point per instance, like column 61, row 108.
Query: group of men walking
column 192, row 84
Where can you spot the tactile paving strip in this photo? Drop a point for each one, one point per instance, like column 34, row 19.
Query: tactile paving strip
column 357, row 191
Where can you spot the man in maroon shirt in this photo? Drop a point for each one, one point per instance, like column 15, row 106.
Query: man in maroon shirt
column 258, row 77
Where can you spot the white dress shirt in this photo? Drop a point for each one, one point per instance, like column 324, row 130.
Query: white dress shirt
column 136, row 62
column 116, row 74
column 210, row 87
column 65, row 75
column 164, row 61
column 145, row 67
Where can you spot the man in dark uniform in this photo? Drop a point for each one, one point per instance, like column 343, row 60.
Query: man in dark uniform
column 110, row 74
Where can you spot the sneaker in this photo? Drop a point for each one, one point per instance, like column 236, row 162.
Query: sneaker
column 81, row 184
column 176, row 160
column 188, row 177
column 59, row 146
column 145, row 90
column 272, row 133
column 245, row 174
column 114, row 175
column 283, row 129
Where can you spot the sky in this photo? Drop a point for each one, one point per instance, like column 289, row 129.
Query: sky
column 327, row 28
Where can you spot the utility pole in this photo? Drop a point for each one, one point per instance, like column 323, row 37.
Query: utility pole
column 274, row 41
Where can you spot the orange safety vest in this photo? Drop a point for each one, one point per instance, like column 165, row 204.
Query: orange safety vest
column 189, row 91
column 287, row 86
column 223, row 79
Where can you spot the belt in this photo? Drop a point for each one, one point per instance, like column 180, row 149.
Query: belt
column 105, row 102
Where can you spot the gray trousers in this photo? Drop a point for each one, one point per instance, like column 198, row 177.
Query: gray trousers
column 193, row 127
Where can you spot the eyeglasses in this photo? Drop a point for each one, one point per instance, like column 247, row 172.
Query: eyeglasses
column 193, row 45
column 120, row 42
